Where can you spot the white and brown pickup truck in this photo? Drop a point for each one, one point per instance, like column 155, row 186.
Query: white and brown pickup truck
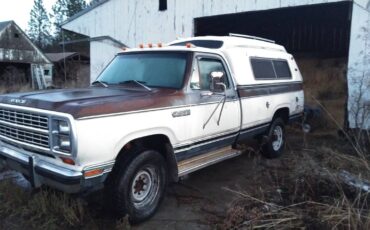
column 153, row 115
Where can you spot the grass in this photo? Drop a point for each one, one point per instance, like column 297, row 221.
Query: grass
column 307, row 192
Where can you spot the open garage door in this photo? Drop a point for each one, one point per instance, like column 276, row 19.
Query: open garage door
column 317, row 35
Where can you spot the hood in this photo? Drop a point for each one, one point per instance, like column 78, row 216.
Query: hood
column 94, row 100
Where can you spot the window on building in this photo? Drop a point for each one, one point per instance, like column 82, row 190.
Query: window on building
column 16, row 35
column 46, row 72
column 162, row 5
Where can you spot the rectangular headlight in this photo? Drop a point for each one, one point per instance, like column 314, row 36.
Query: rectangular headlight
column 61, row 136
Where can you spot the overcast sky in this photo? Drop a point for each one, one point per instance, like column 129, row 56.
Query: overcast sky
column 19, row 10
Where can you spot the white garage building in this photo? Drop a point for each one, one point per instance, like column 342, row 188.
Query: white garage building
column 332, row 31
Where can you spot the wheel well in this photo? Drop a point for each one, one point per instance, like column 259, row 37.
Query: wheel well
column 159, row 143
column 282, row 113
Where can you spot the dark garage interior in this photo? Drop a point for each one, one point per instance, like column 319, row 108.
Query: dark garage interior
column 317, row 35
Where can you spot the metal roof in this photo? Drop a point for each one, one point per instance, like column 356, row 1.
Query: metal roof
column 4, row 24
column 57, row 57
column 82, row 12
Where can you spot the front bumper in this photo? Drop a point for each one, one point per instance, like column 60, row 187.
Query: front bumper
column 40, row 171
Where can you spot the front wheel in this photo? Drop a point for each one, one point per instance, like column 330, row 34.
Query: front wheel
column 140, row 187
column 276, row 139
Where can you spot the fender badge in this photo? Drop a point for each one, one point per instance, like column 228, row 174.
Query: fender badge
column 17, row 101
column 181, row 113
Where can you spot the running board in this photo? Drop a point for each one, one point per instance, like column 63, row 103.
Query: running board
column 198, row 162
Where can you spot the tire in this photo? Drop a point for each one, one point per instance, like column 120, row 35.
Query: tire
column 274, row 147
column 139, row 185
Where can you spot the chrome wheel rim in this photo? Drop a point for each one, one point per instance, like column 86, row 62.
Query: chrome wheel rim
column 278, row 138
column 145, row 187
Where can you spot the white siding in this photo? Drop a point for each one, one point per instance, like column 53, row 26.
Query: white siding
column 101, row 53
column 138, row 21
column 359, row 68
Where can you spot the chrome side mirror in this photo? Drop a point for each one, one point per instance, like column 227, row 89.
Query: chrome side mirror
column 217, row 82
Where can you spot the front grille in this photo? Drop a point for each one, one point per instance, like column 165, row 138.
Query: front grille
column 34, row 138
column 24, row 127
column 24, row 118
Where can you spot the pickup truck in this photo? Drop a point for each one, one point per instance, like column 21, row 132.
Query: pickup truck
column 155, row 114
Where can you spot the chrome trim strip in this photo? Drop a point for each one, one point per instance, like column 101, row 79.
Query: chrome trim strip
column 57, row 169
column 204, row 138
column 151, row 110
column 208, row 163
column 13, row 154
column 205, row 143
column 18, row 155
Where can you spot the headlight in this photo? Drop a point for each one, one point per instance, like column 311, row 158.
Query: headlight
column 64, row 127
column 61, row 136
column 65, row 143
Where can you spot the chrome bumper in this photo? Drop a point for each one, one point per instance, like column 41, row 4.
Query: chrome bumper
column 40, row 171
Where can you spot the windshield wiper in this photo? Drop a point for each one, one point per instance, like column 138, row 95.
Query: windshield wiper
column 141, row 83
column 103, row 83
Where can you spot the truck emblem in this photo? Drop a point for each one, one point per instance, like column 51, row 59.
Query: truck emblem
column 182, row 113
column 17, row 101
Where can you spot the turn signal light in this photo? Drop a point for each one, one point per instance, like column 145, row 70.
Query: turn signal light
column 68, row 161
column 94, row 172
column 188, row 45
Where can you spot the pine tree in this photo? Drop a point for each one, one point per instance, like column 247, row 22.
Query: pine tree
column 39, row 25
column 64, row 9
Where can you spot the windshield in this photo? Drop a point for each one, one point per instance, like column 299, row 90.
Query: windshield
column 156, row 69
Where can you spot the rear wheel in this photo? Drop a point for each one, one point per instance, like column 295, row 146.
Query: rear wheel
column 140, row 186
column 275, row 144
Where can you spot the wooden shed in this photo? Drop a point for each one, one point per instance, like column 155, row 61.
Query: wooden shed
column 21, row 61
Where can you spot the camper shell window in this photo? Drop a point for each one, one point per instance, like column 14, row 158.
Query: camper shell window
column 266, row 68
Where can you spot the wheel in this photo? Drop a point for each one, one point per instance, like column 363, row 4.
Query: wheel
column 274, row 146
column 139, row 186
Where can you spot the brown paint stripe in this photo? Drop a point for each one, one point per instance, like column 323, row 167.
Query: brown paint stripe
column 263, row 90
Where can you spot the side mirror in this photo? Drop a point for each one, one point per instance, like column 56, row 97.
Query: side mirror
column 217, row 82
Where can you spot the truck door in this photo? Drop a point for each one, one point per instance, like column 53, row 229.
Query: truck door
column 215, row 117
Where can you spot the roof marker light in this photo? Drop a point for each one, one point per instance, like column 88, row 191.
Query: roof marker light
column 141, row 46
column 160, row 45
column 188, row 45
column 150, row 45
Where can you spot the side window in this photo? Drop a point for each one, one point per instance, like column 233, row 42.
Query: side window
column 262, row 68
column 206, row 66
column 282, row 69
